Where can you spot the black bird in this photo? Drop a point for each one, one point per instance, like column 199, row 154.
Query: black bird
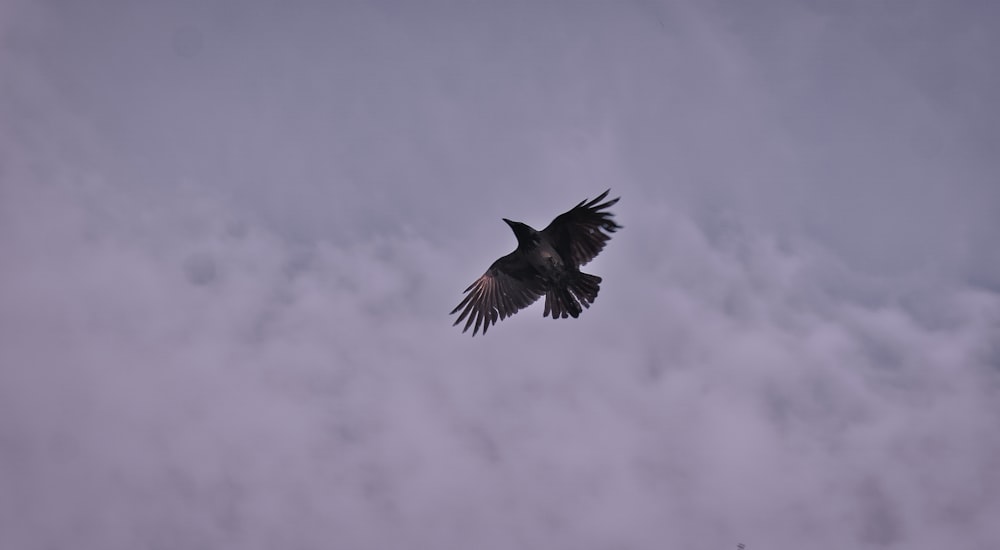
column 545, row 262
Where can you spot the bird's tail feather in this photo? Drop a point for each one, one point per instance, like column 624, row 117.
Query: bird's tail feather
column 570, row 299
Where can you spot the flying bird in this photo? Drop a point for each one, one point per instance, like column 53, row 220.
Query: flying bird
column 546, row 262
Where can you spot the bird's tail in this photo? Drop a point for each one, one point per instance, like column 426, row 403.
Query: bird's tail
column 569, row 300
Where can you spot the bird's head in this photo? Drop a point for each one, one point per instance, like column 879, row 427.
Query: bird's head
column 525, row 233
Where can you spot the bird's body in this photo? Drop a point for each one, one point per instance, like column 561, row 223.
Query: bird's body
column 546, row 262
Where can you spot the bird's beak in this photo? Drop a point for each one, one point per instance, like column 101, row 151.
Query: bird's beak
column 508, row 222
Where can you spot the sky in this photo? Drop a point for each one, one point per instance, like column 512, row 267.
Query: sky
column 231, row 233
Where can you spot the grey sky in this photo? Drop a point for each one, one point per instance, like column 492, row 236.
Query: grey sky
column 231, row 233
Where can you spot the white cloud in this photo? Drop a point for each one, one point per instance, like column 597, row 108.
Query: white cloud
column 231, row 238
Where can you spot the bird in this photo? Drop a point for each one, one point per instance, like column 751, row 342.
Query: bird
column 545, row 263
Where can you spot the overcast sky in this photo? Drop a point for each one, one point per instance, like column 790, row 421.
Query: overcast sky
column 231, row 232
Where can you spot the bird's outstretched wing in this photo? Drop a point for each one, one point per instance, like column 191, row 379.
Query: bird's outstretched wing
column 580, row 234
column 510, row 284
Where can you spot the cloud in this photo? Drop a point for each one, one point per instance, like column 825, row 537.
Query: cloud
column 231, row 236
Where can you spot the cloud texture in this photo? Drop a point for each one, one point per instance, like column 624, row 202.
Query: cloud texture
column 231, row 232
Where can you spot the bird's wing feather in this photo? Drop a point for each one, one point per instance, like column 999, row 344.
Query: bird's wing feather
column 509, row 285
column 580, row 234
